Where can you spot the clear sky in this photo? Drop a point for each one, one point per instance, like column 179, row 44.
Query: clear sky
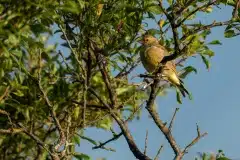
column 215, row 107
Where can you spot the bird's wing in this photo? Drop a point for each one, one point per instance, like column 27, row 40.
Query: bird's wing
column 171, row 66
column 166, row 53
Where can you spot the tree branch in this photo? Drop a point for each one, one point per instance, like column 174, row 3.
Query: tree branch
column 105, row 76
column 51, row 109
column 158, row 153
column 195, row 11
column 205, row 27
column 124, row 128
column 235, row 11
column 146, row 142
column 54, row 155
column 161, row 125
column 172, row 120
column 195, row 140
column 115, row 137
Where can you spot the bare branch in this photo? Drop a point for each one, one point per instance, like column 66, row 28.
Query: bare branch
column 146, row 141
column 161, row 125
column 123, row 125
column 172, row 120
column 195, row 140
column 158, row 153
column 115, row 137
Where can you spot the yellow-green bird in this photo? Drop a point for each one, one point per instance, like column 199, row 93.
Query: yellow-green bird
column 152, row 56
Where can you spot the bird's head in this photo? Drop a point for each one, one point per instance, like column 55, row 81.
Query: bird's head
column 149, row 40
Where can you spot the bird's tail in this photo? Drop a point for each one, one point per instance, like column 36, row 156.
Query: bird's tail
column 182, row 89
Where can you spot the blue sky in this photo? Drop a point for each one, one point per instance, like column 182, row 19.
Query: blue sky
column 215, row 107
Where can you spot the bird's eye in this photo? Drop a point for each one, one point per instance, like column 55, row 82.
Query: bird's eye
column 147, row 40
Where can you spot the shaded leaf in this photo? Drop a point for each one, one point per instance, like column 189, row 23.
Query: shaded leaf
column 215, row 42
column 229, row 33
column 187, row 70
column 179, row 98
column 206, row 62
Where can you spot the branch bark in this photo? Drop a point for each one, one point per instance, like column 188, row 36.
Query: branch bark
column 124, row 128
column 62, row 139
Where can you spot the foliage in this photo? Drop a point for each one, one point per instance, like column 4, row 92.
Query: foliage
column 50, row 92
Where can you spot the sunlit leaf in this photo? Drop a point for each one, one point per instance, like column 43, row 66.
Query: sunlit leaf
column 81, row 156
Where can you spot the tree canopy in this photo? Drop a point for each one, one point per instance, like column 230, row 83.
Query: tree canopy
column 65, row 65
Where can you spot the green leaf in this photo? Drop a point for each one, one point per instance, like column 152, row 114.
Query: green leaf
column 179, row 98
column 76, row 111
column 153, row 31
column 38, row 28
column 215, row 42
column 89, row 140
column 229, row 33
column 208, row 52
column 18, row 93
column 170, row 2
column 206, row 62
column 81, row 156
column 71, row 6
column 1, row 72
column 154, row 9
column 187, row 70
column 13, row 40
column 76, row 139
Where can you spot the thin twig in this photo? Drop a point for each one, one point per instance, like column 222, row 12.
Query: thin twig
column 195, row 140
column 51, row 109
column 158, row 153
column 146, row 142
column 132, row 145
column 54, row 156
column 4, row 94
column 9, row 118
column 10, row 131
column 195, row 11
column 125, row 72
column 205, row 27
column 72, row 50
column 115, row 137
column 172, row 120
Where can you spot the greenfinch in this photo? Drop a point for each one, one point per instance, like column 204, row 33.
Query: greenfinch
column 151, row 58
